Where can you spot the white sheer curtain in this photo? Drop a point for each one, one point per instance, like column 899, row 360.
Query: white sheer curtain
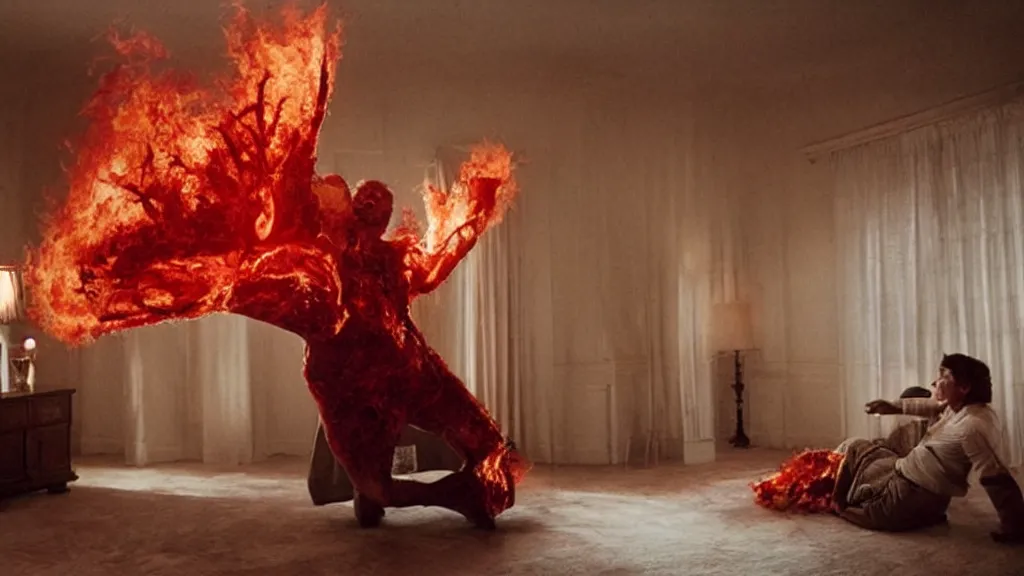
column 579, row 322
column 930, row 239
column 219, row 390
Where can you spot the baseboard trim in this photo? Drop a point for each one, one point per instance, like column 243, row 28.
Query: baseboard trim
column 163, row 454
column 89, row 446
column 290, row 448
column 699, row 452
column 810, row 443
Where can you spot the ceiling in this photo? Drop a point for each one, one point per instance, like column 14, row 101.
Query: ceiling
column 807, row 50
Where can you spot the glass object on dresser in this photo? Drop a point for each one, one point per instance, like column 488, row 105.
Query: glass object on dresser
column 23, row 366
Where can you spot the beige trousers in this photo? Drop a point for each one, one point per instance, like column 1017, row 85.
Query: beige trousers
column 870, row 492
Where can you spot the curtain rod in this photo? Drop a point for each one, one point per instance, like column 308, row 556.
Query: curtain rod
column 951, row 109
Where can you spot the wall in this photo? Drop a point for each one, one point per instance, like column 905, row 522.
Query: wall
column 410, row 81
column 795, row 398
column 388, row 115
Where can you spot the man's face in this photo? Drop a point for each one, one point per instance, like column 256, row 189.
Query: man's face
column 947, row 389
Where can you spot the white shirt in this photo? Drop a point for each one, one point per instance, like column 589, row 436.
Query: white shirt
column 958, row 442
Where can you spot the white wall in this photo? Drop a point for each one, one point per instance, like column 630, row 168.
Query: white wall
column 388, row 115
column 795, row 399
column 758, row 82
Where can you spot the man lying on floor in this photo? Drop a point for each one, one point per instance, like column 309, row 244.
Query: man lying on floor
column 878, row 489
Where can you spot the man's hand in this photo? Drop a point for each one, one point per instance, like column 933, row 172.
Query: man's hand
column 1008, row 501
column 883, row 407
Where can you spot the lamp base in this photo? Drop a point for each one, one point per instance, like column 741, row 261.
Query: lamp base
column 740, row 441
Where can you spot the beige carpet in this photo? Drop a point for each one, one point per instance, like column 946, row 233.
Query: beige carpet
column 188, row 519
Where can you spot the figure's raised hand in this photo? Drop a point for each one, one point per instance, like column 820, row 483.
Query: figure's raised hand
column 483, row 195
column 882, row 407
column 487, row 177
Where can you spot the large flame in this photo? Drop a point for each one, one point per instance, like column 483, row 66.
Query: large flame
column 803, row 483
column 223, row 167
column 445, row 209
column 186, row 201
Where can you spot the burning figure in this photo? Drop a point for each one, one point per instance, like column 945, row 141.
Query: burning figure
column 186, row 202
column 804, row 483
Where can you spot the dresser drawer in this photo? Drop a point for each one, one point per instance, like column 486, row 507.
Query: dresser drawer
column 13, row 415
column 45, row 410
column 12, row 456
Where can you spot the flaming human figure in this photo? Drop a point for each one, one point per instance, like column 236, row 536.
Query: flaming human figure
column 186, row 202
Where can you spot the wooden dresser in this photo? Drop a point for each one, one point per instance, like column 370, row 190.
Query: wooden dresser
column 35, row 442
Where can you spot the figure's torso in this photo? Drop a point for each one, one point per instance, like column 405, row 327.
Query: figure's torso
column 940, row 462
column 375, row 290
column 377, row 340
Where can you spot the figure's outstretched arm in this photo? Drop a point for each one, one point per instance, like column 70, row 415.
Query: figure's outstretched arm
column 176, row 189
column 456, row 220
column 294, row 287
column 432, row 268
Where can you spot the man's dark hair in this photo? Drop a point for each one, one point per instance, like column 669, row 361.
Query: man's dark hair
column 970, row 372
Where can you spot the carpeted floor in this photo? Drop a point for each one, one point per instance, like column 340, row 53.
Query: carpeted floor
column 192, row 520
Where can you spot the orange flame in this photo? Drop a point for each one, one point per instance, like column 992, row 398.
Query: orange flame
column 224, row 167
column 186, row 201
column 479, row 198
column 803, row 483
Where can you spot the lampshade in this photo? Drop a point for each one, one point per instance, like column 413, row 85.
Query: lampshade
column 12, row 295
column 730, row 327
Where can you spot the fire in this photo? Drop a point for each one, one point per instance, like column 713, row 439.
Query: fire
column 186, row 201
column 446, row 208
column 803, row 483
column 224, row 167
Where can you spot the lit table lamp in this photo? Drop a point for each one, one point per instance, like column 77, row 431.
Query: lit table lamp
column 12, row 309
column 731, row 333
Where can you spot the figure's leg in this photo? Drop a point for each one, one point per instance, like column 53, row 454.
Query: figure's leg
column 897, row 505
column 451, row 492
column 363, row 440
column 328, row 482
column 445, row 407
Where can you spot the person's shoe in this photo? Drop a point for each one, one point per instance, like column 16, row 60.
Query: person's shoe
column 470, row 499
column 368, row 513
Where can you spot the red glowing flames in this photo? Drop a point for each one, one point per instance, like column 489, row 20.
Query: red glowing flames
column 803, row 483
column 171, row 178
column 186, row 201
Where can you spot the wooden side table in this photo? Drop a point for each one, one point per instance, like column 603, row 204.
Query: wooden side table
column 35, row 442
